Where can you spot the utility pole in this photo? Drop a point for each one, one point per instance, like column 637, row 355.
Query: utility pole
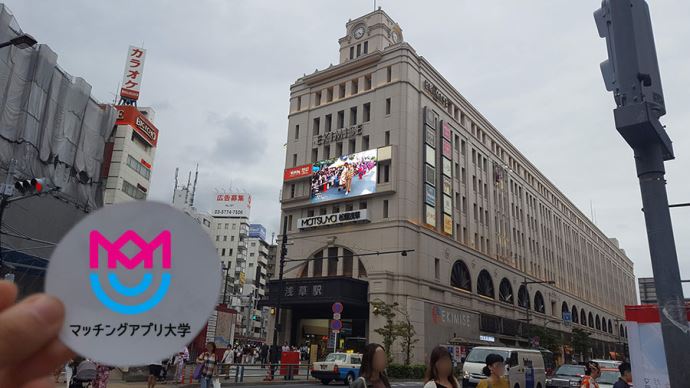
column 632, row 74
column 283, row 254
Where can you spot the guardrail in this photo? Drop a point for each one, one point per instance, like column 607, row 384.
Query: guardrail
column 255, row 372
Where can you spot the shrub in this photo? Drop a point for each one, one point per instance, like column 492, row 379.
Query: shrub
column 398, row 371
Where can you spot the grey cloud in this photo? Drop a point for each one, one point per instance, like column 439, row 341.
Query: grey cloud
column 242, row 141
column 531, row 68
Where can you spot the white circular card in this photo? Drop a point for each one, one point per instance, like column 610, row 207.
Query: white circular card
column 138, row 280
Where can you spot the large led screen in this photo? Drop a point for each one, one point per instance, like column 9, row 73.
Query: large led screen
column 344, row 177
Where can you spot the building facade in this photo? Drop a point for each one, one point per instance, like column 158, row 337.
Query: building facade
column 254, row 291
column 129, row 154
column 51, row 128
column 383, row 154
column 648, row 291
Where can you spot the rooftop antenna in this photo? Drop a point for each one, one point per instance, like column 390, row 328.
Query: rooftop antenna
column 186, row 195
column 196, row 176
column 177, row 170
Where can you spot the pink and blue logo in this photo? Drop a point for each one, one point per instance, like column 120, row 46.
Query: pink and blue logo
column 116, row 256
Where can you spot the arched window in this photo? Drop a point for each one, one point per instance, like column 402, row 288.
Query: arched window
column 327, row 262
column 539, row 303
column 597, row 323
column 576, row 318
column 610, row 328
column 505, row 292
column 620, row 331
column 523, row 297
column 565, row 309
column 583, row 317
column 460, row 276
column 591, row 320
column 603, row 324
column 485, row 286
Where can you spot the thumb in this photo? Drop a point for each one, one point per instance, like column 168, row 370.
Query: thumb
column 28, row 326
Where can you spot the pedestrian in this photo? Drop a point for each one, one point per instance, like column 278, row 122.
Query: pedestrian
column 155, row 370
column 227, row 361
column 626, row 376
column 286, row 347
column 372, row 370
column 263, row 354
column 180, row 359
column 208, row 361
column 102, row 375
column 495, row 372
column 439, row 372
column 592, row 373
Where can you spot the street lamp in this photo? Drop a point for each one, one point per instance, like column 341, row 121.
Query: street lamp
column 525, row 282
column 22, row 41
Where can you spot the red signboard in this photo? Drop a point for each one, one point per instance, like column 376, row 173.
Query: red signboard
column 134, row 71
column 446, row 130
column 130, row 115
column 447, row 149
column 297, row 172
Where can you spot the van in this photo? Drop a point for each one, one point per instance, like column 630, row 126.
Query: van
column 524, row 367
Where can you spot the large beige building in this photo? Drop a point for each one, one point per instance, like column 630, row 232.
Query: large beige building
column 483, row 222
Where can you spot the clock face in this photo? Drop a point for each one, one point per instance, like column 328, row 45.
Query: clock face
column 395, row 37
column 358, row 32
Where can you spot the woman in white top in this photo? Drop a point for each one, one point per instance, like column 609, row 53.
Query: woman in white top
column 439, row 372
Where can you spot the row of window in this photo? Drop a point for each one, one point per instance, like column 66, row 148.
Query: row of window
column 132, row 190
column 138, row 167
column 360, row 49
column 460, row 278
column 340, row 90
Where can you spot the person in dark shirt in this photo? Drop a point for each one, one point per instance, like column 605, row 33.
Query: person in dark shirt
column 626, row 376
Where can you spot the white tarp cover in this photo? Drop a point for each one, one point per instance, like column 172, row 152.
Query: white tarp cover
column 49, row 122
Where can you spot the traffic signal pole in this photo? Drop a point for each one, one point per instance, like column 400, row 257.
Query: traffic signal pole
column 632, row 74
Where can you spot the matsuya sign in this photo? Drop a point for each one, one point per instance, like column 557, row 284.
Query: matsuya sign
column 333, row 219
column 436, row 94
column 337, row 135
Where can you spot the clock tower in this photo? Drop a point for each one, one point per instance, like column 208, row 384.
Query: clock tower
column 366, row 34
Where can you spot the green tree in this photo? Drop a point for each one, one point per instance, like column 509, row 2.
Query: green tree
column 548, row 339
column 389, row 331
column 406, row 332
column 580, row 341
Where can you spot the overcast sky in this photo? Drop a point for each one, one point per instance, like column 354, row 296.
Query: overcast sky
column 218, row 75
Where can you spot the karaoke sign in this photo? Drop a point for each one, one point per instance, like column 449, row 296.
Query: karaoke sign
column 138, row 280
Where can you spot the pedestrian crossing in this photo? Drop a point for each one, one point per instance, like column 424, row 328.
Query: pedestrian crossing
column 406, row 384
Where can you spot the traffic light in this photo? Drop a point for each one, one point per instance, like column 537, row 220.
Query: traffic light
column 631, row 71
column 30, row 186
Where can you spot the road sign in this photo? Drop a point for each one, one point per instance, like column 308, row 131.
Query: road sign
column 336, row 324
column 336, row 316
column 337, row 308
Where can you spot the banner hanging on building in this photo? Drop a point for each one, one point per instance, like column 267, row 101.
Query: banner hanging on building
column 134, row 72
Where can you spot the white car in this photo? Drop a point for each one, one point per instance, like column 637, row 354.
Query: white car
column 525, row 366
column 338, row 367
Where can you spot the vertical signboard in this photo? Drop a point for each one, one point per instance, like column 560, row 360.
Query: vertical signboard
column 134, row 72
column 430, row 157
column 447, row 176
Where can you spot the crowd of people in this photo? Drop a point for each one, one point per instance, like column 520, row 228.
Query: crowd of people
column 340, row 176
column 439, row 371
